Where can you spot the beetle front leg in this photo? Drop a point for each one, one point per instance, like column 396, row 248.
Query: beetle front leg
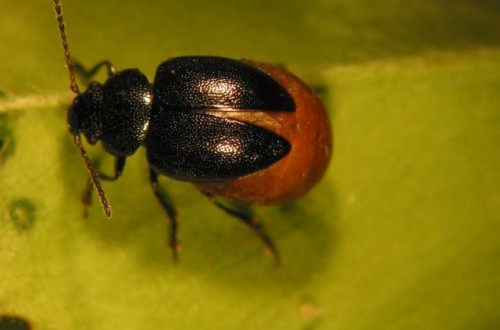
column 244, row 214
column 169, row 210
column 87, row 194
column 87, row 75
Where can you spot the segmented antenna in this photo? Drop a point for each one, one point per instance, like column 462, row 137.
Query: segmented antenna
column 64, row 39
column 94, row 175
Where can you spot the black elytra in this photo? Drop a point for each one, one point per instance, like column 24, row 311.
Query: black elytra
column 209, row 82
column 187, row 143
column 172, row 118
column 198, row 147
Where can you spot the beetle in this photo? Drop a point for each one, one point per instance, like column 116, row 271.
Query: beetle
column 247, row 132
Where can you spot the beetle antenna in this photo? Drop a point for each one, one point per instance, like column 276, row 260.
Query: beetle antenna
column 94, row 177
column 64, row 39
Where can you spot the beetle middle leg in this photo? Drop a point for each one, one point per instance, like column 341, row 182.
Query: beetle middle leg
column 167, row 206
column 244, row 214
column 87, row 194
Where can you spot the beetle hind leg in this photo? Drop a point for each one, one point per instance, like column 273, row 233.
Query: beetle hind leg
column 244, row 214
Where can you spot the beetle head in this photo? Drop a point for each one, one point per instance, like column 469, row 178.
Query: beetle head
column 84, row 115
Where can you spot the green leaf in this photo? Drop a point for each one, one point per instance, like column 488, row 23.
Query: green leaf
column 402, row 233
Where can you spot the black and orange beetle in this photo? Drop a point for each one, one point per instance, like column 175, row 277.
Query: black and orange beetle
column 244, row 131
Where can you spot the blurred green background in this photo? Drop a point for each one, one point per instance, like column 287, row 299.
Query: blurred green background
column 402, row 233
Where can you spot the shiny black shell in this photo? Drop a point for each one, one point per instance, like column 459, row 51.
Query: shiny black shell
column 208, row 82
column 126, row 98
column 186, row 142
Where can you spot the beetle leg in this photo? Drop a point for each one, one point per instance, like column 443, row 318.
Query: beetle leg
column 88, row 74
column 87, row 194
column 169, row 210
column 243, row 213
